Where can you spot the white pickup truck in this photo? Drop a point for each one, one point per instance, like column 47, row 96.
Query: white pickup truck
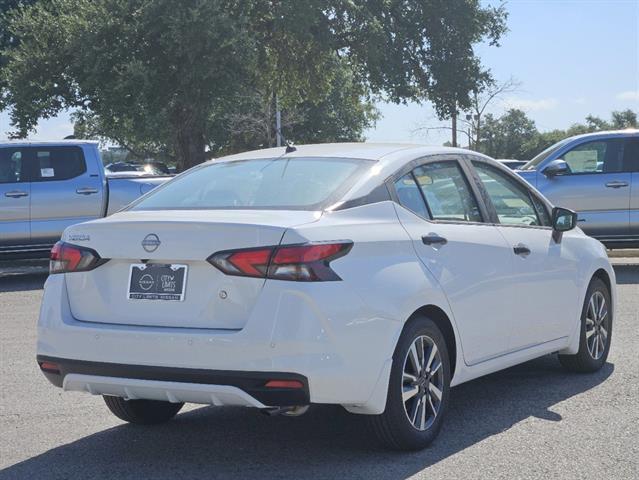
column 47, row 186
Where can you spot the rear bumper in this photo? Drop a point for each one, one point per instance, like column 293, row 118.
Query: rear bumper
column 215, row 387
column 340, row 349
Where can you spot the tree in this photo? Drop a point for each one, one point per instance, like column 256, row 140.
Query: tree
column 512, row 135
column 164, row 74
column 481, row 97
column 624, row 119
column 340, row 116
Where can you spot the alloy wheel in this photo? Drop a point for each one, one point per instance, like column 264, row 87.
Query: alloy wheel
column 597, row 325
column 422, row 383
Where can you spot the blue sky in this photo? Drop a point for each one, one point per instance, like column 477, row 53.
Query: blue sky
column 572, row 57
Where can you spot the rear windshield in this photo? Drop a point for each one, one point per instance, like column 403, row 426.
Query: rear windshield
column 280, row 183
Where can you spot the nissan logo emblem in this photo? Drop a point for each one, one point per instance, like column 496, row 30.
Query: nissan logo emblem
column 151, row 242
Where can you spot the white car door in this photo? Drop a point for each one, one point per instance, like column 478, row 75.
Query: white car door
column 545, row 273
column 468, row 257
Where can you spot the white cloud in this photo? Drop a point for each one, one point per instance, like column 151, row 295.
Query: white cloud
column 531, row 105
column 629, row 96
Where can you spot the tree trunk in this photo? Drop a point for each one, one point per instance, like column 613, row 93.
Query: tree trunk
column 454, row 129
column 190, row 146
column 477, row 133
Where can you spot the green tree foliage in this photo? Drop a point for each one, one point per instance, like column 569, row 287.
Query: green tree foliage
column 514, row 135
column 166, row 74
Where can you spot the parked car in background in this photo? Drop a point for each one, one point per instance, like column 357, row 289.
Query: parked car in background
column 147, row 168
column 597, row 175
column 119, row 167
column 370, row 276
column 47, row 186
column 511, row 163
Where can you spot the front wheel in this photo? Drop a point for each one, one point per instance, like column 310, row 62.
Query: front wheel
column 596, row 331
column 418, row 388
column 142, row 412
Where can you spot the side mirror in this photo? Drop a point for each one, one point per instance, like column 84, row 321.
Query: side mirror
column 556, row 167
column 563, row 219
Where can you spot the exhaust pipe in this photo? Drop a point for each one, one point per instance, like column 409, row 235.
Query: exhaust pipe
column 294, row 411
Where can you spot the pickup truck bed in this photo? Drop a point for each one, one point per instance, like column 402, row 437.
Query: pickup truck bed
column 47, row 186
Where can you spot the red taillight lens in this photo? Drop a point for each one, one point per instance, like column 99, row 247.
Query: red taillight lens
column 66, row 258
column 302, row 263
column 246, row 263
column 307, row 263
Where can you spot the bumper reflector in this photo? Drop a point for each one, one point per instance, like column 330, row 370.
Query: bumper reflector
column 284, row 384
column 49, row 367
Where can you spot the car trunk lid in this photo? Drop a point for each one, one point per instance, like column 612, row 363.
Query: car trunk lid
column 211, row 298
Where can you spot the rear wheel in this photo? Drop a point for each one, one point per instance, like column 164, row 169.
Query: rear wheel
column 596, row 331
column 418, row 389
column 142, row 412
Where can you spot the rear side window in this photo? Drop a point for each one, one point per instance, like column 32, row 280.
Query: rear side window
column 11, row 166
column 447, row 192
column 409, row 195
column 57, row 163
column 631, row 155
column 279, row 183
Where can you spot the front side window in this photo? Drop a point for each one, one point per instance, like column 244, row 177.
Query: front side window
column 58, row 163
column 447, row 192
column 600, row 156
column 512, row 201
column 11, row 166
column 537, row 160
column 275, row 183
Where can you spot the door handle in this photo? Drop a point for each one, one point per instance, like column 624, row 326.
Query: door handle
column 86, row 191
column 616, row 184
column 433, row 239
column 521, row 249
column 16, row 194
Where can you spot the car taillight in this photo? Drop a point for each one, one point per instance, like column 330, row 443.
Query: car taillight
column 66, row 258
column 302, row 263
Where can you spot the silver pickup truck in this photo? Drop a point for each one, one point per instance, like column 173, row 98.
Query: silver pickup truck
column 597, row 175
column 47, row 186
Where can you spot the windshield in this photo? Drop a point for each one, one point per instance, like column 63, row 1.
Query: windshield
column 532, row 165
column 281, row 183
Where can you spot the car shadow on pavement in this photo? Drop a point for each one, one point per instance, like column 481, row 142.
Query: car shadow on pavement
column 22, row 282
column 327, row 442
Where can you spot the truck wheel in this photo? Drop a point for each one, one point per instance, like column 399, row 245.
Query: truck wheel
column 142, row 412
column 418, row 388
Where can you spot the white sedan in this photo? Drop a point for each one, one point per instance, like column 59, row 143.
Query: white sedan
column 375, row 277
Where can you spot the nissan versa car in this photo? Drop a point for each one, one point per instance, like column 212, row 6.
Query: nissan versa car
column 375, row 277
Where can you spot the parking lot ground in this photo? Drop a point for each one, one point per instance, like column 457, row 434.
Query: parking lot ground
column 531, row 421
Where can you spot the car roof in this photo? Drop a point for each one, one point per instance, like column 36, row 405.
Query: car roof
column 364, row 151
column 48, row 143
column 628, row 132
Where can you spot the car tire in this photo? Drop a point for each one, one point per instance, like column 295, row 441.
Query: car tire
column 142, row 412
column 596, row 331
column 405, row 425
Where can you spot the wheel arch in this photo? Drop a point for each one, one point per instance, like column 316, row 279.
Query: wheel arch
column 604, row 277
column 444, row 323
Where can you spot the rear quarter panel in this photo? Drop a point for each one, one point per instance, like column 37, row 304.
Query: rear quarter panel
column 383, row 284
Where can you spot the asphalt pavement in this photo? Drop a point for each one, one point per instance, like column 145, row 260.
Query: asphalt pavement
column 531, row 421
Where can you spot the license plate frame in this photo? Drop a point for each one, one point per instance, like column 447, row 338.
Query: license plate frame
column 157, row 281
